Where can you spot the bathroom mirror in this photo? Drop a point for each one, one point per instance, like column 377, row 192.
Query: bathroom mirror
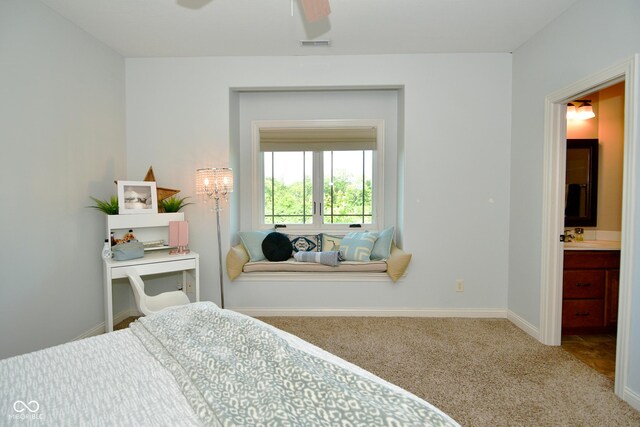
column 581, row 184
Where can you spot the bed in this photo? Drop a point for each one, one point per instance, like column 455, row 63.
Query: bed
column 200, row 365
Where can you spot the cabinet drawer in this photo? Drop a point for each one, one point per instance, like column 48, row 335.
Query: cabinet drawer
column 591, row 259
column 155, row 268
column 581, row 313
column 583, row 284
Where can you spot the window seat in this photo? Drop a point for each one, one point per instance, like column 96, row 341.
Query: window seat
column 394, row 266
column 301, row 267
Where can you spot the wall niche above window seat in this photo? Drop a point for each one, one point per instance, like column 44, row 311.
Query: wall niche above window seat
column 239, row 261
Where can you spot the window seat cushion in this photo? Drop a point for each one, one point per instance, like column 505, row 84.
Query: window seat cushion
column 394, row 266
column 293, row 265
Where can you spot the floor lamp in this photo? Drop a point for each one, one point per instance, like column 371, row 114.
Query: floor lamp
column 214, row 183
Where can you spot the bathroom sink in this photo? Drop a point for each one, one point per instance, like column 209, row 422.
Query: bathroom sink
column 590, row 245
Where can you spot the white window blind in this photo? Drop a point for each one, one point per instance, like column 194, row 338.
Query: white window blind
column 318, row 139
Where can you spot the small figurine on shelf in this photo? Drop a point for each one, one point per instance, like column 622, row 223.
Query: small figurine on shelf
column 129, row 236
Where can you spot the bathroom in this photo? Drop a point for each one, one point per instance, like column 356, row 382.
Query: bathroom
column 593, row 222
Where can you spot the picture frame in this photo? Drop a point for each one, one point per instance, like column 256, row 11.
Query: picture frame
column 137, row 197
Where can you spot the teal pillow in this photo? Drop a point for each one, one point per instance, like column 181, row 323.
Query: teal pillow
column 382, row 248
column 252, row 242
column 357, row 246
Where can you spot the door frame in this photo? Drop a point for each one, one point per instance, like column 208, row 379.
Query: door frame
column 553, row 207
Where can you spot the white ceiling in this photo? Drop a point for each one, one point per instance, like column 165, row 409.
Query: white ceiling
column 166, row 28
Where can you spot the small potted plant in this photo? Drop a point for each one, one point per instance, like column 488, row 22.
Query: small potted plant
column 109, row 207
column 173, row 204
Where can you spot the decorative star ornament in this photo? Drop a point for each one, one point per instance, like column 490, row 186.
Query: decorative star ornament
column 163, row 193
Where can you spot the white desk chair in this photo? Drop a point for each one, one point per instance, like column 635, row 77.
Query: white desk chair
column 151, row 304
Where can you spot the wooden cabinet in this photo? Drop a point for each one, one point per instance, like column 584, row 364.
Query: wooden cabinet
column 590, row 291
column 611, row 307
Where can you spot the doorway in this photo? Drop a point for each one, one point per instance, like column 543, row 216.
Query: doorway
column 553, row 209
column 593, row 224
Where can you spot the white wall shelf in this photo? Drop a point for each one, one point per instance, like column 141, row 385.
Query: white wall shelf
column 146, row 227
column 123, row 222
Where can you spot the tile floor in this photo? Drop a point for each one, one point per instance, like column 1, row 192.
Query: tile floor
column 597, row 351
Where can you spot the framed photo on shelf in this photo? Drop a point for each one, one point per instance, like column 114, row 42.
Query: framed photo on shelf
column 137, row 197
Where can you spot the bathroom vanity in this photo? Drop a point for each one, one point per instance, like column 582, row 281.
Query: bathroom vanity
column 590, row 289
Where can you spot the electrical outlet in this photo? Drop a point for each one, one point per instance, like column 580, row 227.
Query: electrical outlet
column 459, row 285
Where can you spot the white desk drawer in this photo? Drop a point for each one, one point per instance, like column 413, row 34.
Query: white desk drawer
column 155, row 268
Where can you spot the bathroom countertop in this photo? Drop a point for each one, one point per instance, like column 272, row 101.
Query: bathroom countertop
column 593, row 245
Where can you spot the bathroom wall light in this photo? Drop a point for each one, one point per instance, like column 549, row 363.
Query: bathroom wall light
column 584, row 112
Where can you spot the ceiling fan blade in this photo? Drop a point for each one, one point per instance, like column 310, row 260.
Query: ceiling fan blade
column 314, row 10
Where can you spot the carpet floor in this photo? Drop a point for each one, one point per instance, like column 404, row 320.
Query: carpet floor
column 482, row 372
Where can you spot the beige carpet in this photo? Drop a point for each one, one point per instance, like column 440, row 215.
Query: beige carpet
column 482, row 372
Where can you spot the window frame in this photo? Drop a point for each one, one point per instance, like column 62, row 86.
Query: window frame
column 257, row 176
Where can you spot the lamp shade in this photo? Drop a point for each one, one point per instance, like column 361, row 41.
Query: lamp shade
column 586, row 111
column 211, row 181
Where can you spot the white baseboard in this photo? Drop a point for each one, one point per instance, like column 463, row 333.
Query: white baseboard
column 632, row 398
column 374, row 312
column 524, row 325
column 99, row 329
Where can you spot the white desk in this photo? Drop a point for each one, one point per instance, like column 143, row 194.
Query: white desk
column 153, row 262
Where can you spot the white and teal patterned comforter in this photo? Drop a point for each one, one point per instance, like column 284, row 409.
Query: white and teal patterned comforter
column 200, row 365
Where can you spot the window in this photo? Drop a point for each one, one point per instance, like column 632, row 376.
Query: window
column 348, row 187
column 288, row 187
column 317, row 174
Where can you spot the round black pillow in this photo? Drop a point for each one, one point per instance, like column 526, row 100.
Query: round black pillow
column 277, row 247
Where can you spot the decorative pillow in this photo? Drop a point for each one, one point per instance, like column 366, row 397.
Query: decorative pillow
column 382, row 248
column 330, row 242
column 305, row 243
column 397, row 263
column 357, row 246
column 277, row 247
column 331, row 258
column 252, row 241
column 236, row 259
